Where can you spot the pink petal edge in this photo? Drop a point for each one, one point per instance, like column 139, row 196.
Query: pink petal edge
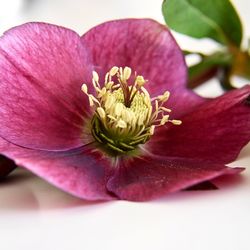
column 146, row 179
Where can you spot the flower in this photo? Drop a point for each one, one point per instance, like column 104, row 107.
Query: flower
column 115, row 139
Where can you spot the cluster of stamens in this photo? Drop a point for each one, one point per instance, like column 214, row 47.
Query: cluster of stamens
column 125, row 115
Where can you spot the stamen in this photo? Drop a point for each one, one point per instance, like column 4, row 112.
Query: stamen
column 85, row 89
column 95, row 77
column 165, row 109
column 140, row 81
column 113, row 71
column 152, row 130
column 176, row 122
column 164, row 119
column 112, row 117
column 101, row 112
column 164, row 97
column 126, row 73
column 125, row 114
column 121, row 124
column 102, row 92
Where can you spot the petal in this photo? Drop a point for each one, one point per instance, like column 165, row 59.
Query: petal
column 81, row 173
column 42, row 68
column 216, row 131
column 148, row 48
column 6, row 166
column 145, row 179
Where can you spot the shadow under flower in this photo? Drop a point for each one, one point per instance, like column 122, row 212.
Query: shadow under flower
column 224, row 185
column 22, row 190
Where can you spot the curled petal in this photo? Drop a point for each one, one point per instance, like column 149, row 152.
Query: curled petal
column 148, row 48
column 42, row 68
column 145, row 179
column 216, row 131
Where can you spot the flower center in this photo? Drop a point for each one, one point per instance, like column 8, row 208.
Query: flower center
column 125, row 115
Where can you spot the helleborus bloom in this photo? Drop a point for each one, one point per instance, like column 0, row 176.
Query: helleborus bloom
column 91, row 114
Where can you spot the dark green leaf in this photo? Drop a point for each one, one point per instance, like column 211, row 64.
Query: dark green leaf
column 216, row 19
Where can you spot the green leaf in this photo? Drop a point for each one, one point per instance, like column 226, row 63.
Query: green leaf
column 216, row 19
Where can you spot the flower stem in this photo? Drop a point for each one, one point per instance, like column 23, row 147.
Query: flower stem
column 221, row 65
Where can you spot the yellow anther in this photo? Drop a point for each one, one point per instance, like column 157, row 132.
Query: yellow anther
column 91, row 103
column 164, row 97
column 102, row 92
column 94, row 99
column 95, row 76
column 118, row 109
column 164, row 119
column 140, row 120
column 85, row 88
column 113, row 71
column 156, row 106
column 112, row 118
column 121, row 124
column 101, row 112
column 145, row 92
column 165, row 109
column 109, row 85
column 127, row 73
column 109, row 101
column 152, row 130
column 176, row 122
column 120, row 72
column 140, row 81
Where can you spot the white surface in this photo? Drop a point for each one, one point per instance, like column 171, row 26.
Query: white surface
column 35, row 215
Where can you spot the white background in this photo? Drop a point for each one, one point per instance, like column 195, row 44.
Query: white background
column 35, row 215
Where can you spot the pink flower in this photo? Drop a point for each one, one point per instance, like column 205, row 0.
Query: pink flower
column 49, row 127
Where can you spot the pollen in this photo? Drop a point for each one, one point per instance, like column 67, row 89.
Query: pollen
column 125, row 115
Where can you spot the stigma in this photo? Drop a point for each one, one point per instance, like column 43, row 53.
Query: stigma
column 125, row 115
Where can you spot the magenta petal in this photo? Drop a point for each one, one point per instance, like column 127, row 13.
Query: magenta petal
column 81, row 172
column 145, row 179
column 216, row 131
column 148, row 48
column 42, row 68
column 6, row 166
